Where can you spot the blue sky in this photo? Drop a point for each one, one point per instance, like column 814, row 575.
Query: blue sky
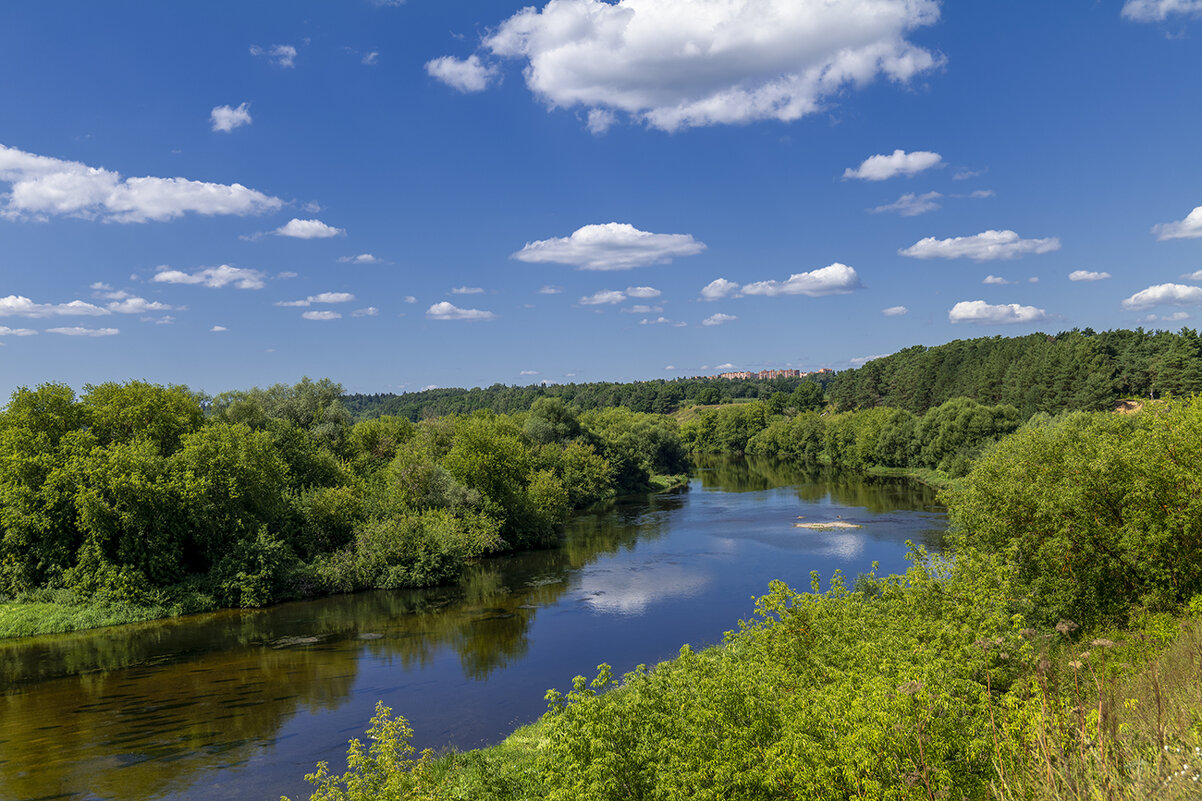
column 404, row 194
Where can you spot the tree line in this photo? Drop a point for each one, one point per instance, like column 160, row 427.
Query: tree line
column 138, row 493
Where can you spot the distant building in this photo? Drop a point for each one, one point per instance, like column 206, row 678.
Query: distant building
column 768, row 374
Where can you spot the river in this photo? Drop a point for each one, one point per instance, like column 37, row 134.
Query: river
column 241, row 704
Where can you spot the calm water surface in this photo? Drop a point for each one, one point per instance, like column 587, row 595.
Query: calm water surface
column 241, row 704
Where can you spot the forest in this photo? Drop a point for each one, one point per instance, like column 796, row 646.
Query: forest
column 137, row 500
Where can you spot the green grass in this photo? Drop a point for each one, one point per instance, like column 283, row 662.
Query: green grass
column 61, row 611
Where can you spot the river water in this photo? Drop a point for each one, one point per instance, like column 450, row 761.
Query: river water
column 241, row 704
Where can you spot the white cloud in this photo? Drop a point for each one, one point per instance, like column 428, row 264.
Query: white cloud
column 308, row 229
column 137, row 305
column 370, row 311
column 370, row 58
column 982, row 313
column 600, row 120
column 42, row 187
column 965, row 174
column 1196, row 275
column 985, row 246
column 894, row 311
column 1165, row 295
column 217, row 329
column 467, row 290
column 1175, row 317
column 550, row 290
column 285, row 276
column 280, row 55
column 881, row 167
column 670, row 367
column 643, row 292
column 995, row 280
column 99, row 286
column 644, row 309
column 1087, row 275
column 468, row 75
column 410, row 299
column 21, row 306
column 717, row 289
column 727, row 366
column 1160, row 10
column 5, row 331
column 603, row 296
column 77, row 331
column 662, row 321
column 227, row 118
column 860, row 361
column 1189, row 228
column 911, row 205
column 321, row 315
column 718, row 319
column 612, row 246
column 447, row 311
column 213, row 277
column 528, row 372
column 834, row 279
column 1033, row 279
column 324, row 297
column 691, row 63
column 362, row 258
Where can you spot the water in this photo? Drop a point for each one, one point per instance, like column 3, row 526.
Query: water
column 242, row 704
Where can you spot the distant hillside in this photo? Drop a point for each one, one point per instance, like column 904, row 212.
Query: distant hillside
column 1077, row 369
column 658, row 396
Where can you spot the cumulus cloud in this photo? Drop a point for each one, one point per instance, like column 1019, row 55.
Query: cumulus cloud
column 1165, row 295
column 1175, row 317
column 612, row 246
column 717, row 289
column 227, row 118
column 448, row 311
column 995, row 280
column 78, row 331
column 308, row 229
column 894, row 311
column 21, row 306
column 370, row 311
column 550, row 290
column 213, row 277
column 1160, row 10
column 280, row 55
column 467, row 290
column 1196, row 275
column 982, row 313
column 5, row 331
column 362, row 258
column 698, row 62
column 1189, row 228
column 718, row 319
column 321, row 315
column 42, row 187
column 881, row 167
column 834, row 279
column 217, row 329
column 911, row 205
column 662, row 321
column 643, row 292
column 528, row 372
column 136, row 305
column 644, row 309
column 466, row 75
column 985, row 246
column 1087, row 275
column 602, row 297
column 323, row 297
column 410, row 299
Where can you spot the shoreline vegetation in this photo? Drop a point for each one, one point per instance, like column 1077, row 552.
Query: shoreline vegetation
column 1051, row 651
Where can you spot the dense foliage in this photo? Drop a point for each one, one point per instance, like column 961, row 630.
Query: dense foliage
column 660, row 397
column 142, row 494
column 1053, row 652
column 1074, row 370
column 946, row 437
